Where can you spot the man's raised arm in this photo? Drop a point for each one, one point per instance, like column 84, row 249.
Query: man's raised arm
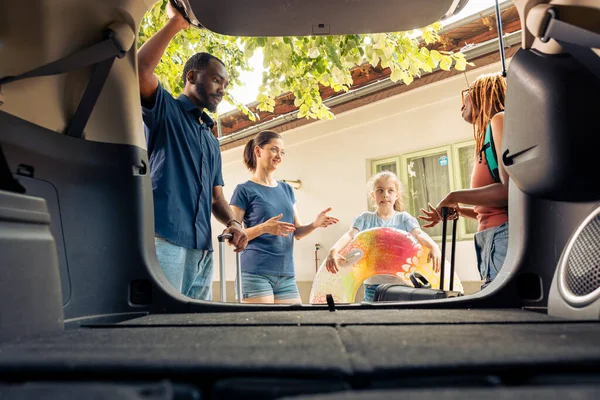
column 150, row 53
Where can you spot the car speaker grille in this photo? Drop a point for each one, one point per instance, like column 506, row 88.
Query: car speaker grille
column 583, row 265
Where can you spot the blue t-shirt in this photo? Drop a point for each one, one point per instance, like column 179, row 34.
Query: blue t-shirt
column 400, row 220
column 266, row 254
column 185, row 164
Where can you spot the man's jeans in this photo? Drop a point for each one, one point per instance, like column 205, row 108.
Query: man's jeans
column 190, row 271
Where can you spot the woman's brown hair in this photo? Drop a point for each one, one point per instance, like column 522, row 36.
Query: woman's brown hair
column 260, row 140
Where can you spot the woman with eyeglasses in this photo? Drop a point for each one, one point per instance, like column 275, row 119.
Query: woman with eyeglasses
column 268, row 210
column 487, row 199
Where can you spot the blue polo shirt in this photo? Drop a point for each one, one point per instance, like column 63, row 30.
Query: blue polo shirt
column 185, row 164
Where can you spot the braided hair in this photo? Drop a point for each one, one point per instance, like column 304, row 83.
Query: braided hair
column 487, row 97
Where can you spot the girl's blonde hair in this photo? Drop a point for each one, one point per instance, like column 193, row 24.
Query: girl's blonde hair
column 487, row 95
column 399, row 204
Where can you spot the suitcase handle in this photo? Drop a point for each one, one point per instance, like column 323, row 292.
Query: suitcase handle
column 419, row 281
column 225, row 236
column 445, row 213
column 222, row 238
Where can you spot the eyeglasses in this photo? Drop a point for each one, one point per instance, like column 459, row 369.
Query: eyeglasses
column 463, row 94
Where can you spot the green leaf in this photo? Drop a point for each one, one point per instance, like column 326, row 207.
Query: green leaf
column 374, row 61
column 397, row 75
column 460, row 64
column 378, row 40
column 321, row 67
column 446, row 63
column 431, row 62
column 303, row 111
column 332, row 53
column 389, row 51
column 435, row 55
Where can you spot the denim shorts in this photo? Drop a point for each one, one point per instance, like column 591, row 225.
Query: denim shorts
column 491, row 246
column 370, row 292
column 259, row 285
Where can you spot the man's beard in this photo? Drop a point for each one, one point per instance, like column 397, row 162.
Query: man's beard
column 204, row 98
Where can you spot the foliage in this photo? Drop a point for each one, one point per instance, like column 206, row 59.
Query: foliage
column 300, row 64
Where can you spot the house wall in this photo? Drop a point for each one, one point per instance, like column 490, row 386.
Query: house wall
column 332, row 159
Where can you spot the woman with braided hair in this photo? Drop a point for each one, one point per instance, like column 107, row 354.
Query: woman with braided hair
column 487, row 199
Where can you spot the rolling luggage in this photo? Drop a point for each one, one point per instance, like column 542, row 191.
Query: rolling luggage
column 422, row 289
column 222, row 238
column 396, row 292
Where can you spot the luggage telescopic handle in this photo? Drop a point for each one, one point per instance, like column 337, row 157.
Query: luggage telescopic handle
column 238, row 272
column 222, row 238
column 452, row 265
column 443, row 260
column 445, row 213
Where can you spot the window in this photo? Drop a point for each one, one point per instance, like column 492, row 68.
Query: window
column 464, row 155
column 391, row 164
column 427, row 179
column 431, row 174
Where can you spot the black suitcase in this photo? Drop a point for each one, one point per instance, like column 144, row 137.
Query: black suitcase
column 422, row 289
column 396, row 292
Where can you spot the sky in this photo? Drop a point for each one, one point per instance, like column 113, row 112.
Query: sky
column 251, row 79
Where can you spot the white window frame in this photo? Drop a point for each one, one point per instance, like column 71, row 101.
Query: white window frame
column 383, row 161
column 462, row 226
column 454, row 175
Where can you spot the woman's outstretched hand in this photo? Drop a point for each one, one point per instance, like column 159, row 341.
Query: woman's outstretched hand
column 323, row 220
column 449, row 203
column 434, row 214
column 275, row 227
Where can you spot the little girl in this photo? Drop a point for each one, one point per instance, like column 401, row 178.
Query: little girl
column 386, row 192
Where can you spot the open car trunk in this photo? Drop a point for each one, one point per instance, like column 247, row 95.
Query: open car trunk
column 86, row 311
